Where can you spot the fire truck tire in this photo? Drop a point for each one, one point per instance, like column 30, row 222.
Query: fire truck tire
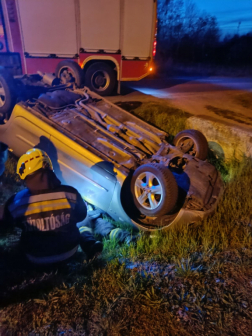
column 8, row 96
column 154, row 190
column 100, row 78
column 192, row 142
column 69, row 71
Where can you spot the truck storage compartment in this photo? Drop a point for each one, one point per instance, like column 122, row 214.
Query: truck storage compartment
column 11, row 62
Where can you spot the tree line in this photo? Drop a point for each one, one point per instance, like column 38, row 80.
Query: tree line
column 186, row 35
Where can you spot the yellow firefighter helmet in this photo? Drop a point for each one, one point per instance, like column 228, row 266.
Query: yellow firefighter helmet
column 33, row 160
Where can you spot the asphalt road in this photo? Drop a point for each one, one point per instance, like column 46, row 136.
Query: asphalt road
column 165, row 87
column 221, row 98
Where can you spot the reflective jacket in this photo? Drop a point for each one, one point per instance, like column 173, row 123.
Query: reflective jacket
column 48, row 221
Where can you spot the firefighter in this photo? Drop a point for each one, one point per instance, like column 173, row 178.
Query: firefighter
column 47, row 212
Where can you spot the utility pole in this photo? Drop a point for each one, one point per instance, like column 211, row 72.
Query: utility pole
column 238, row 27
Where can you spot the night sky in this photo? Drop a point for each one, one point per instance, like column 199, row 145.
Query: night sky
column 229, row 13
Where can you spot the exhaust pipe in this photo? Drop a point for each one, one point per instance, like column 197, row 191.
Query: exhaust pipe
column 49, row 78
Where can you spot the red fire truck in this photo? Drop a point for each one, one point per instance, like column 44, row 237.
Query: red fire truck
column 98, row 42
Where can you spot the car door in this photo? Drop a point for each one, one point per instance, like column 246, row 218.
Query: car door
column 95, row 180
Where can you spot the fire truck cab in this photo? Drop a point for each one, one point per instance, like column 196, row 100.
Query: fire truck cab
column 96, row 42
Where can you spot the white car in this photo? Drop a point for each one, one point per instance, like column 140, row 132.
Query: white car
column 117, row 162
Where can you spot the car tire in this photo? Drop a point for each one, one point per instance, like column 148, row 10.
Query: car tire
column 69, row 71
column 192, row 142
column 154, row 190
column 100, row 78
column 8, row 95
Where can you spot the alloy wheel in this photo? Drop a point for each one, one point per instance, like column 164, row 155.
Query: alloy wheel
column 148, row 191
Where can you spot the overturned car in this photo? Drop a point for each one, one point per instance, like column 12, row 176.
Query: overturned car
column 118, row 162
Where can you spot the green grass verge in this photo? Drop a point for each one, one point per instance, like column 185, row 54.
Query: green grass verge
column 10, row 182
column 191, row 280
column 167, row 118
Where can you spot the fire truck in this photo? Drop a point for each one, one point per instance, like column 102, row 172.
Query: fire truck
column 99, row 43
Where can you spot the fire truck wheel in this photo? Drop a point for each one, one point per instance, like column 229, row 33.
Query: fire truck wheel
column 154, row 189
column 7, row 93
column 69, row 71
column 100, row 78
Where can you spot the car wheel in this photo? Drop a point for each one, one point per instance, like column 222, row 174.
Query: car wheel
column 7, row 93
column 100, row 78
column 69, row 72
column 192, row 142
column 154, row 189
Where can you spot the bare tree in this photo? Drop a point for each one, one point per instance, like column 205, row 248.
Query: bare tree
column 184, row 32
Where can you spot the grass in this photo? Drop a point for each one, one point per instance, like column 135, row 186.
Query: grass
column 167, row 118
column 9, row 182
column 191, row 280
